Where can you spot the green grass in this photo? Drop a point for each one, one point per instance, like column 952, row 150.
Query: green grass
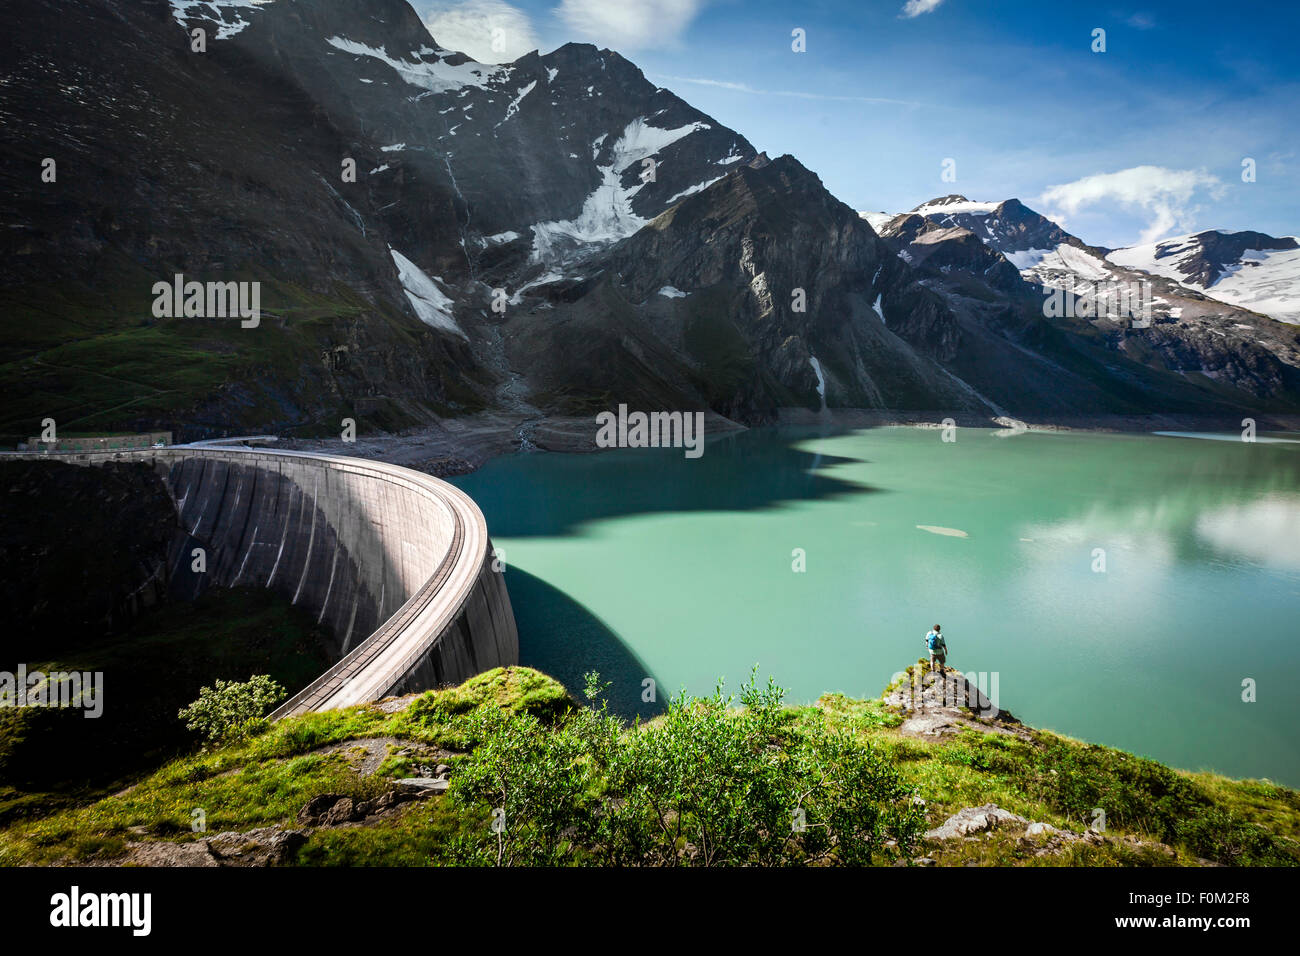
column 1056, row 780
column 1045, row 777
column 419, row 835
column 97, row 360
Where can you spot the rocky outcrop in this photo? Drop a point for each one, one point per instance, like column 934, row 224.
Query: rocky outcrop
column 263, row 846
column 976, row 820
column 1038, row 839
column 776, row 272
column 932, row 247
column 939, row 704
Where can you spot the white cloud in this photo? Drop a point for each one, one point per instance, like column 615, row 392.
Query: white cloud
column 914, row 8
column 490, row 31
column 628, row 24
column 1164, row 195
column 746, row 88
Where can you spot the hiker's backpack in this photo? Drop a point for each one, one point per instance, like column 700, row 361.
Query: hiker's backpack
column 933, row 641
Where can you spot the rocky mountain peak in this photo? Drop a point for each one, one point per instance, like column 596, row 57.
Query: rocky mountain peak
column 948, row 200
column 1220, row 251
column 396, row 193
column 1248, row 269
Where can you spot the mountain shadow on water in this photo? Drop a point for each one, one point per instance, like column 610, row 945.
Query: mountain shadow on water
column 552, row 495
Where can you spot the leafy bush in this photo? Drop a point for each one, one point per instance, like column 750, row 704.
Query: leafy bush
column 1138, row 793
column 230, row 710
column 1222, row 836
column 704, row 785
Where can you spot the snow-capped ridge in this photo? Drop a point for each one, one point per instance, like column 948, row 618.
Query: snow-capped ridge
column 1248, row 269
column 953, row 205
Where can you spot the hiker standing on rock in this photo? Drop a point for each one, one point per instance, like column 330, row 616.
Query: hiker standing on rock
column 938, row 649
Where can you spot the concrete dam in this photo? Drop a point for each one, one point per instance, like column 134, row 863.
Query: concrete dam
column 396, row 562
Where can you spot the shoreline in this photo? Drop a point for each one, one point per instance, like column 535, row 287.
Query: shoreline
column 458, row 446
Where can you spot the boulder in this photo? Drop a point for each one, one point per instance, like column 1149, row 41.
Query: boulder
column 343, row 811
column 315, row 809
column 974, row 820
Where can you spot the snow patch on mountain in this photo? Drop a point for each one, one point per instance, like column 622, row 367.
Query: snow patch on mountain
column 1027, row 259
column 437, row 76
column 733, row 156
column 1262, row 280
column 541, row 280
column 431, row 305
column 953, row 208
column 513, row 108
column 1067, row 258
column 220, row 12
column 607, row 214
column 876, row 220
column 1158, row 258
column 821, row 379
column 692, row 190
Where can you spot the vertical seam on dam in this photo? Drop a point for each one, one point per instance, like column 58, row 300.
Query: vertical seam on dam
column 311, row 540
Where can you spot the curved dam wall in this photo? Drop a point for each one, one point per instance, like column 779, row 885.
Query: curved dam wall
column 396, row 562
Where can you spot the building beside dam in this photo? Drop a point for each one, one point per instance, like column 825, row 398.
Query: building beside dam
column 398, row 563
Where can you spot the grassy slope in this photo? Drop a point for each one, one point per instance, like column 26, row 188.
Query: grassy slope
column 150, row 672
column 98, row 360
column 267, row 779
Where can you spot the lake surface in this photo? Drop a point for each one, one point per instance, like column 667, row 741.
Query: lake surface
column 644, row 564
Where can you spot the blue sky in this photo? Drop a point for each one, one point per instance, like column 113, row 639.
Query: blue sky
column 1135, row 143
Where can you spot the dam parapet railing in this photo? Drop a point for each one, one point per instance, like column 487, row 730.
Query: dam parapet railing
column 397, row 562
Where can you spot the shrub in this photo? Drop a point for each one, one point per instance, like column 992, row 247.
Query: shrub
column 1137, row 793
column 230, row 710
column 705, row 785
column 1224, row 837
